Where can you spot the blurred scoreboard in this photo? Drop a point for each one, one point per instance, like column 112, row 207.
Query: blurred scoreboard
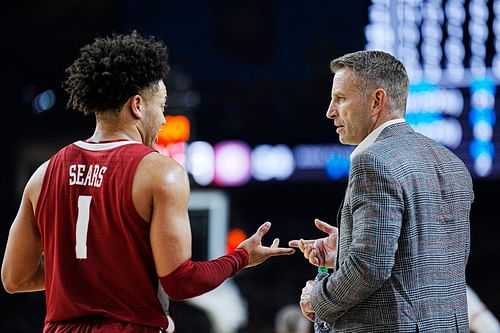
column 451, row 51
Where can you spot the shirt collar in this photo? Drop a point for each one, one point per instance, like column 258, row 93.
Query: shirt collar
column 370, row 138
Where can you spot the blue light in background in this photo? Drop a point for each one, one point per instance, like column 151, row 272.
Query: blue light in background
column 337, row 166
column 44, row 101
column 486, row 115
column 482, row 117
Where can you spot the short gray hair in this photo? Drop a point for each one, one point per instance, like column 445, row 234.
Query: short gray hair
column 378, row 69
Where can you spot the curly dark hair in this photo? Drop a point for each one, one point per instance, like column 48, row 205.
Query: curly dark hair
column 111, row 69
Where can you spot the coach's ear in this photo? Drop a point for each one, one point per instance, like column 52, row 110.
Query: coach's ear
column 379, row 101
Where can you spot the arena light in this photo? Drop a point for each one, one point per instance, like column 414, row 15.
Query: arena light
column 232, row 163
column 200, row 161
column 270, row 162
column 44, row 101
column 175, row 129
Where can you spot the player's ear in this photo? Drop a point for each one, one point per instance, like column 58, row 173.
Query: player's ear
column 136, row 105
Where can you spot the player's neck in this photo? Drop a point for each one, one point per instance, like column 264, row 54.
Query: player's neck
column 103, row 135
column 114, row 126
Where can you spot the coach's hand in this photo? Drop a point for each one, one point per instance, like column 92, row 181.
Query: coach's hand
column 322, row 251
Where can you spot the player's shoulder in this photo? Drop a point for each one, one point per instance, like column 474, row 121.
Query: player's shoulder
column 34, row 185
column 39, row 174
column 161, row 161
column 161, row 168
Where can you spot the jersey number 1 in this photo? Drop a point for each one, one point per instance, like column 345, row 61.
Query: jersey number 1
column 82, row 226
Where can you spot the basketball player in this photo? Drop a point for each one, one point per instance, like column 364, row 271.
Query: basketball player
column 105, row 220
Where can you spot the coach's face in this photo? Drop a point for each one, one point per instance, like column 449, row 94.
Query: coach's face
column 349, row 108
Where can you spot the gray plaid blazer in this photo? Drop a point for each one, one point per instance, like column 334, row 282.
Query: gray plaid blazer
column 404, row 240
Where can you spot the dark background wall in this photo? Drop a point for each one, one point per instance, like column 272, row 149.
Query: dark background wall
column 261, row 69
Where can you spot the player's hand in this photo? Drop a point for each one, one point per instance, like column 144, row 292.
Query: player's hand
column 322, row 251
column 259, row 253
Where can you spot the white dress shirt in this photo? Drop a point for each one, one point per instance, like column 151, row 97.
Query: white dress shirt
column 370, row 138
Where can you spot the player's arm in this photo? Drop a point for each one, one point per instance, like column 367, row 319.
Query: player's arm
column 22, row 267
column 171, row 240
column 171, row 237
column 170, row 229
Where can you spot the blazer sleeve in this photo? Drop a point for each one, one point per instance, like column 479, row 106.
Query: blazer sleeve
column 377, row 208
